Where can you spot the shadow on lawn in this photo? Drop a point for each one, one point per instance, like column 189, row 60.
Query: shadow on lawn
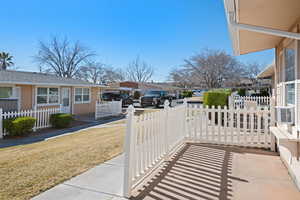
column 196, row 172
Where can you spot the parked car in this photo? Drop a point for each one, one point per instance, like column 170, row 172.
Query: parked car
column 199, row 94
column 110, row 96
column 155, row 98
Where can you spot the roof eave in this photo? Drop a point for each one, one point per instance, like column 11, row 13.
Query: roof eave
column 230, row 9
column 51, row 84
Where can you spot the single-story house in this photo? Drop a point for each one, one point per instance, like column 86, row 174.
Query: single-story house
column 257, row 25
column 26, row 90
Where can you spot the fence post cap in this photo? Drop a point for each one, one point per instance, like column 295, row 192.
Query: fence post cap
column 185, row 101
column 166, row 104
column 130, row 110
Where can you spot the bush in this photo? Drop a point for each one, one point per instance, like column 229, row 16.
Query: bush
column 136, row 95
column 242, row 92
column 216, row 97
column 264, row 93
column 187, row 94
column 19, row 126
column 61, row 120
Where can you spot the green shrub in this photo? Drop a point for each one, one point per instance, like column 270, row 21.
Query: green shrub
column 242, row 92
column 19, row 126
column 216, row 97
column 61, row 120
column 187, row 94
column 136, row 94
column 264, row 93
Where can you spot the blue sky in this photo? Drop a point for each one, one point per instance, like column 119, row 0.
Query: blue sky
column 162, row 32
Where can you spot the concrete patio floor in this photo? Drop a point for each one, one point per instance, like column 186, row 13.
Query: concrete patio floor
column 212, row 172
column 197, row 171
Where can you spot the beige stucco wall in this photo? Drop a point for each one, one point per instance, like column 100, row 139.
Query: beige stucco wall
column 86, row 108
column 28, row 100
column 288, row 150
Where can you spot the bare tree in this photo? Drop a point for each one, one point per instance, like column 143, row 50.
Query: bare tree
column 112, row 75
column 214, row 68
column 99, row 73
column 183, row 78
column 139, row 71
column 92, row 72
column 252, row 70
column 62, row 57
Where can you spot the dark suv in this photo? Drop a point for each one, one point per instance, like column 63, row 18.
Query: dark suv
column 155, row 98
column 110, row 96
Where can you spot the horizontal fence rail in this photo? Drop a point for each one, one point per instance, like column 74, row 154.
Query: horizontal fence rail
column 242, row 127
column 42, row 117
column 107, row 109
column 152, row 138
column 242, row 102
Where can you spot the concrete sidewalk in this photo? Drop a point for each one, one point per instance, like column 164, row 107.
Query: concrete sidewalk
column 103, row 182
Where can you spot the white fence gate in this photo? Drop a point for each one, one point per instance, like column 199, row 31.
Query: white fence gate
column 107, row 109
column 152, row 137
column 242, row 101
column 42, row 117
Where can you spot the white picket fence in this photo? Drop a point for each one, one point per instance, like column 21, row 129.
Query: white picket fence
column 108, row 109
column 242, row 127
column 152, row 138
column 42, row 117
column 149, row 139
column 248, row 101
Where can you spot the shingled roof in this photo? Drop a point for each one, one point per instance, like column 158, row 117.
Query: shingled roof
column 35, row 78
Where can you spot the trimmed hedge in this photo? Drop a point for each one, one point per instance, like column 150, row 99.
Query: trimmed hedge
column 216, row 97
column 19, row 126
column 242, row 92
column 187, row 94
column 61, row 120
column 136, row 94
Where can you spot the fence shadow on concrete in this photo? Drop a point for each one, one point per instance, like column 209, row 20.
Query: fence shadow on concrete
column 197, row 171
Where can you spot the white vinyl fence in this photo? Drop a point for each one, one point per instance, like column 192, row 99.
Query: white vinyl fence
column 107, row 109
column 247, row 101
column 149, row 139
column 42, row 117
column 242, row 127
column 152, row 138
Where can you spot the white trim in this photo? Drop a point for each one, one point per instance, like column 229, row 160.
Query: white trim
column 231, row 10
column 264, row 30
column 230, row 7
column 69, row 97
column 47, row 104
column 83, row 102
column 52, row 84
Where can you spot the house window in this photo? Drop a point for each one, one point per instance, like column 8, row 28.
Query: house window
column 47, row 95
column 290, row 94
column 290, row 63
column 6, row 92
column 82, row 95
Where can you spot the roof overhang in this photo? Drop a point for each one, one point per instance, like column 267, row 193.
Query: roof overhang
column 50, row 84
column 256, row 25
column 267, row 72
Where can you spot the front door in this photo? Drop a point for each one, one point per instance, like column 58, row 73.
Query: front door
column 65, row 97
